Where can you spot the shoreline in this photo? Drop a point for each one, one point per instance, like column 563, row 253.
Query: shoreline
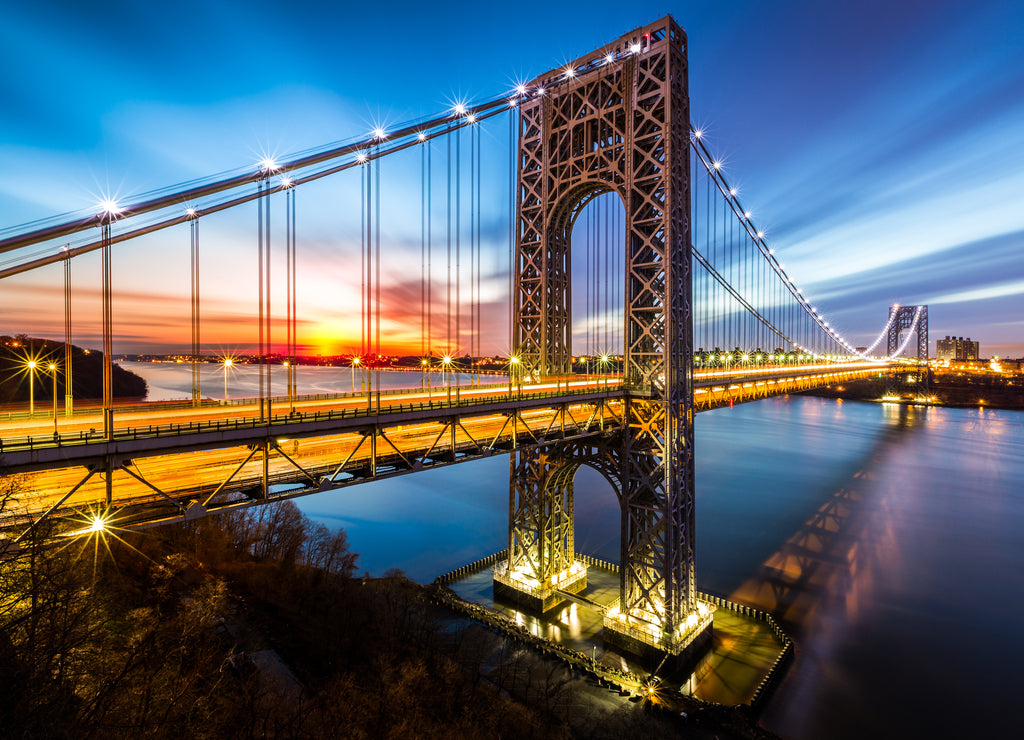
column 948, row 395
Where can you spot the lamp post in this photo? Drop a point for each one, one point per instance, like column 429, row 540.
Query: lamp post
column 53, row 374
column 228, row 362
column 513, row 362
column 446, row 363
column 31, row 365
column 355, row 364
column 291, row 398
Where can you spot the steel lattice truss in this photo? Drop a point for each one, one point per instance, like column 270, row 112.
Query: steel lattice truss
column 619, row 126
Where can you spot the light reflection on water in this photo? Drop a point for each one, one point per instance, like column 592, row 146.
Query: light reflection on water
column 887, row 538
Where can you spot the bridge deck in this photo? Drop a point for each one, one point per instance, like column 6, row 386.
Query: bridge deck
column 163, row 460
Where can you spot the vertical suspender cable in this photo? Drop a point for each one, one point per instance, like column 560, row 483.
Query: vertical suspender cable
column 295, row 299
column 295, row 296
column 194, row 263
column 423, row 250
column 601, row 213
column 269, row 365
column 448, row 230
column 587, row 291
column 513, row 227
column 479, row 245
column 430, row 252
column 108, row 369
column 259, row 225
column 363, row 264
column 68, row 391
column 288, row 296
column 458, row 240
column 376, row 244
column 472, row 237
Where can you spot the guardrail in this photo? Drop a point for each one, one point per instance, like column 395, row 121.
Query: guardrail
column 49, row 441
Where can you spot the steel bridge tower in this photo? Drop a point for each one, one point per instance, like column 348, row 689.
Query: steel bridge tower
column 616, row 120
column 916, row 379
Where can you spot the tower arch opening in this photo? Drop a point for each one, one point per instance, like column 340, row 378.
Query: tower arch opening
column 594, row 225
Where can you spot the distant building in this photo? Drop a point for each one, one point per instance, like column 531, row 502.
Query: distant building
column 956, row 348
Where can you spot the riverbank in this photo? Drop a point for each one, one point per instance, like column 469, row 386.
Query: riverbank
column 947, row 390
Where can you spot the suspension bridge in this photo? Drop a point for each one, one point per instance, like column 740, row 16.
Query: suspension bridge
column 639, row 292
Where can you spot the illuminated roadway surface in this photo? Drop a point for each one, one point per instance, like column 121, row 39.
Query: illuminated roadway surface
column 185, row 453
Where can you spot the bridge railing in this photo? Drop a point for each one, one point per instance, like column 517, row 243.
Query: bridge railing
column 31, row 442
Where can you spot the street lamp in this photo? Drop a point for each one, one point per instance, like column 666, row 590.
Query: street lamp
column 228, row 362
column 31, row 365
column 53, row 373
column 446, row 363
column 513, row 363
column 355, row 364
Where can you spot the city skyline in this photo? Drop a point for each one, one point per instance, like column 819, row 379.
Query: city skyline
column 882, row 167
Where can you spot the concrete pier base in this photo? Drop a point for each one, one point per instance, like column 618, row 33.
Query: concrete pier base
column 640, row 640
column 537, row 598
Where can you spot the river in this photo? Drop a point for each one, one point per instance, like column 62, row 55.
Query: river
column 887, row 539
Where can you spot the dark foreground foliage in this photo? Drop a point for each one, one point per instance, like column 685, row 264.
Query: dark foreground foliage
column 248, row 624
column 254, row 624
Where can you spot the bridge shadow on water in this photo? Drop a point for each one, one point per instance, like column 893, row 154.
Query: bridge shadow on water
column 817, row 580
column 814, row 570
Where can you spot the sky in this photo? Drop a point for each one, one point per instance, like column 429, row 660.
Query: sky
column 879, row 145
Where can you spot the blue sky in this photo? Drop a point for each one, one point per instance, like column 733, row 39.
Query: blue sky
column 880, row 145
